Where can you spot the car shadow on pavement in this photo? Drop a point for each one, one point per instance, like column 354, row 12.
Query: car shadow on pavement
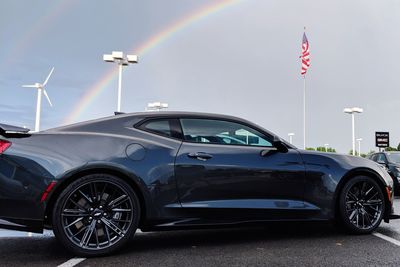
column 38, row 250
column 272, row 232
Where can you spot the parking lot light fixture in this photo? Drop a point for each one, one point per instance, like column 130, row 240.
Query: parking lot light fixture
column 359, row 146
column 352, row 111
column 157, row 106
column 326, row 147
column 118, row 57
column 291, row 137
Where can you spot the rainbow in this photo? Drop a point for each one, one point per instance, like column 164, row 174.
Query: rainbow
column 142, row 49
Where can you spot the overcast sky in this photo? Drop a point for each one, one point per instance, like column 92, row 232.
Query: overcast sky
column 242, row 60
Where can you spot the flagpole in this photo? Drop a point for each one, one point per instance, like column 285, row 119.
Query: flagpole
column 304, row 113
column 305, row 57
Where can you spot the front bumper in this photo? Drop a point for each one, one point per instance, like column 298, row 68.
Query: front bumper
column 394, row 216
column 390, row 215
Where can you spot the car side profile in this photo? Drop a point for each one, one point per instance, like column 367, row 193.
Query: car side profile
column 95, row 183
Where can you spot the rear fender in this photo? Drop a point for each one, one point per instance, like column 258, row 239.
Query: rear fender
column 91, row 168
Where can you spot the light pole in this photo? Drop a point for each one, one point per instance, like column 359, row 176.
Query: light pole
column 326, row 147
column 352, row 111
column 291, row 137
column 359, row 146
column 118, row 57
column 157, row 106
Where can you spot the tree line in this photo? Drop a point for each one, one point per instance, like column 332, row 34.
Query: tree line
column 330, row 149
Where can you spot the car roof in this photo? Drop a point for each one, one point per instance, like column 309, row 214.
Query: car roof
column 139, row 116
column 166, row 114
column 384, row 152
column 171, row 114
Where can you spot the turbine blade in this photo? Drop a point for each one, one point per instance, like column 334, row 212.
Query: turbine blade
column 47, row 96
column 48, row 77
column 30, row 86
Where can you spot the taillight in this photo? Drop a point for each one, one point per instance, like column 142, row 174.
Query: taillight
column 4, row 145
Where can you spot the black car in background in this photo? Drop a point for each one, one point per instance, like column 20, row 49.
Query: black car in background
column 391, row 160
column 95, row 183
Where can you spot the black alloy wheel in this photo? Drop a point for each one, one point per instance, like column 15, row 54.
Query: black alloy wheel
column 362, row 205
column 96, row 215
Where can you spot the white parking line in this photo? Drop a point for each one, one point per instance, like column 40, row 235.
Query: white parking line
column 388, row 238
column 75, row 261
column 72, row 262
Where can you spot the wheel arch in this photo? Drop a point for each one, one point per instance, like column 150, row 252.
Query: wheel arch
column 67, row 179
column 361, row 172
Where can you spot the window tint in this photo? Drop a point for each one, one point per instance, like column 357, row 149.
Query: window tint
column 161, row 127
column 221, row 132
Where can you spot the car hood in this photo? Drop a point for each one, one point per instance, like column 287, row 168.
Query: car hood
column 397, row 165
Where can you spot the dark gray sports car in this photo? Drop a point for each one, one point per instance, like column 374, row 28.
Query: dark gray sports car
column 95, row 183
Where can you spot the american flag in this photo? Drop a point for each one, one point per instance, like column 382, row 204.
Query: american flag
column 305, row 55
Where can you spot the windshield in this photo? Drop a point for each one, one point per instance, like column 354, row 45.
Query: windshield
column 394, row 157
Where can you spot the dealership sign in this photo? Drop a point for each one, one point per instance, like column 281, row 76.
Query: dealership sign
column 382, row 139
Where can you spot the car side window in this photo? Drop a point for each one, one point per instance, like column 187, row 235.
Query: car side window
column 161, row 127
column 222, row 132
column 381, row 158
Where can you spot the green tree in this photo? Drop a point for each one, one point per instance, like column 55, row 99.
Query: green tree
column 391, row 149
column 362, row 154
column 351, row 152
column 322, row 149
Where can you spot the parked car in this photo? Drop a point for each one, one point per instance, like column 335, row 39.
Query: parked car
column 391, row 161
column 95, row 183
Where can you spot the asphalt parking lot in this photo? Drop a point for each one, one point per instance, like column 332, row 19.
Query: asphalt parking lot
column 276, row 244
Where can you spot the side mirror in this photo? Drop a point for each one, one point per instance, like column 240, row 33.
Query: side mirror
column 280, row 146
column 381, row 162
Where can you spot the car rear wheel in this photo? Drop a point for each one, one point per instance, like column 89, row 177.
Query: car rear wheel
column 96, row 215
column 362, row 205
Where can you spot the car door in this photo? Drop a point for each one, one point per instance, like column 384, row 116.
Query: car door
column 227, row 165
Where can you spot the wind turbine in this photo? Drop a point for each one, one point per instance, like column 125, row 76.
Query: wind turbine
column 40, row 88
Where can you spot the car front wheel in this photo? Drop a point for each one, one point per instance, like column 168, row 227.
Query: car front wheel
column 362, row 205
column 96, row 215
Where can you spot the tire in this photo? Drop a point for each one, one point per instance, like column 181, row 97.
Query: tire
column 361, row 205
column 96, row 215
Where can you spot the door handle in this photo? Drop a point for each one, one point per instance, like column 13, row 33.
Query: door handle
column 268, row 151
column 200, row 155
